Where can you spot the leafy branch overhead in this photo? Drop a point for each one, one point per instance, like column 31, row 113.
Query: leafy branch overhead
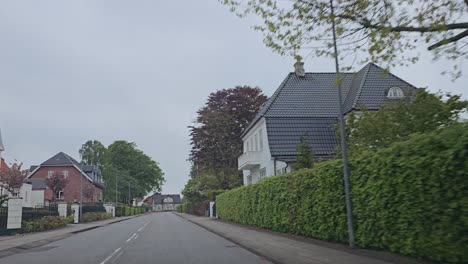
column 386, row 32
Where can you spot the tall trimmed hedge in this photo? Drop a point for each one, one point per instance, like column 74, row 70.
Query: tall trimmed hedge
column 411, row 198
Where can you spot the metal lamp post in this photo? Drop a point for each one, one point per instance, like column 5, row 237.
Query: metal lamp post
column 81, row 191
column 344, row 151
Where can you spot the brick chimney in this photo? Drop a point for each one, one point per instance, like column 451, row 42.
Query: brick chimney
column 299, row 67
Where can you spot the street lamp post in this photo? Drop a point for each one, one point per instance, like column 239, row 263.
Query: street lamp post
column 116, row 185
column 344, row 151
column 81, row 191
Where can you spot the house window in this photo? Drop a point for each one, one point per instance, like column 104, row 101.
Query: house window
column 59, row 195
column 168, row 200
column 248, row 145
column 260, row 139
column 395, row 93
column 249, row 179
column 50, row 173
column 65, row 173
column 262, row 173
column 245, row 147
column 256, row 142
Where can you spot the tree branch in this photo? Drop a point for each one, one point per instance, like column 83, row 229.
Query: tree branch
column 367, row 24
column 449, row 40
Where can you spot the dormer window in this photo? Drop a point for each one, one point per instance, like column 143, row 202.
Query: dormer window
column 395, row 93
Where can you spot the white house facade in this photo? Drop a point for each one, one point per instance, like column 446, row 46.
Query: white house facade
column 256, row 161
column 306, row 106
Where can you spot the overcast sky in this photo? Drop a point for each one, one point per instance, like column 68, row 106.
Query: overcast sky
column 71, row 71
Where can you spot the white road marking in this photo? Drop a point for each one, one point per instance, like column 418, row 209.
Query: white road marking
column 128, row 240
column 111, row 255
column 143, row 227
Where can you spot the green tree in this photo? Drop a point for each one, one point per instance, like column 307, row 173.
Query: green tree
column 305, row 156
column 386, row 32
column 144, row 174
column 92, row 152
column 395, row 122
column 193, row 192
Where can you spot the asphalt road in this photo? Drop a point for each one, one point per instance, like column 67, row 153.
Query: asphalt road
column 152, row 238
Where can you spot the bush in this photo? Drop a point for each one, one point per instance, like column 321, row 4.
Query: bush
column 92, row 208
column 124, row 210
column 96, row 216
column 410, row 198
column 43, row 224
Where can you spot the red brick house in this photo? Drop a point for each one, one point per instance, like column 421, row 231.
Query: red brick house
column 71, row 169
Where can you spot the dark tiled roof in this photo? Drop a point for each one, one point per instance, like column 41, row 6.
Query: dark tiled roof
column 158, row 198
column 60, row 159
column 373, row 92
column 309, row 104
column 38, row 183
column 284, row 135
column 32, row 168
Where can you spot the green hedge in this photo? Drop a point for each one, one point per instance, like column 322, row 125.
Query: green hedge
column 124, row 210
column 411, row 198
column 45, row 223
column 96, row 216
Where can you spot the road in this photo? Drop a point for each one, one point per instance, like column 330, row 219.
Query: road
column 153, row 238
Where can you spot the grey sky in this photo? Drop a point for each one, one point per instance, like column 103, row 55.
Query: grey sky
column 135, row 70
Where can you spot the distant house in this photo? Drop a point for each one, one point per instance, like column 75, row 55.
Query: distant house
column 163, row 202
column 91, row 180
column 306, row 105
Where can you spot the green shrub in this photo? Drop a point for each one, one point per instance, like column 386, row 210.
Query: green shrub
column 124, row 210
column 410, row 198
column 43, row 224
column 96, row 216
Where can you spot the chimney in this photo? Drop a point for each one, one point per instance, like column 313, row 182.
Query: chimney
column 299, row 67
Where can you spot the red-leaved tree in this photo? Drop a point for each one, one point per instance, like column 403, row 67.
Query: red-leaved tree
column 12, row 178
column 216, row 133
column 57, row 182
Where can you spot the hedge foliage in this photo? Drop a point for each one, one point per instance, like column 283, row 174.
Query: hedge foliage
column 410, row 198
column 45, row 223
column 124, row 210
column 93, row 208
column 96, row 216
column 197, row 208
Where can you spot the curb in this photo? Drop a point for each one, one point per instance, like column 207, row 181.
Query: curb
column 251, row 250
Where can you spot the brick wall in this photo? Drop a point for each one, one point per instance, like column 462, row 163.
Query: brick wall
column 72, row 190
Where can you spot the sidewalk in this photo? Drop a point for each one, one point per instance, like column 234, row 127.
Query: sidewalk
column 9, row 244
column 288, row 249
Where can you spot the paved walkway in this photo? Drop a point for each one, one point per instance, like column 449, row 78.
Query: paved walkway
column 36, row 239
column 281, row 248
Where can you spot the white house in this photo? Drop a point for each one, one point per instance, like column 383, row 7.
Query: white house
column 306, row 105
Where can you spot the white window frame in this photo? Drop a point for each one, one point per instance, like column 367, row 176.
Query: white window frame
column 65, row 174
column 395, row 93
column 50, row 173
column 59, row 195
